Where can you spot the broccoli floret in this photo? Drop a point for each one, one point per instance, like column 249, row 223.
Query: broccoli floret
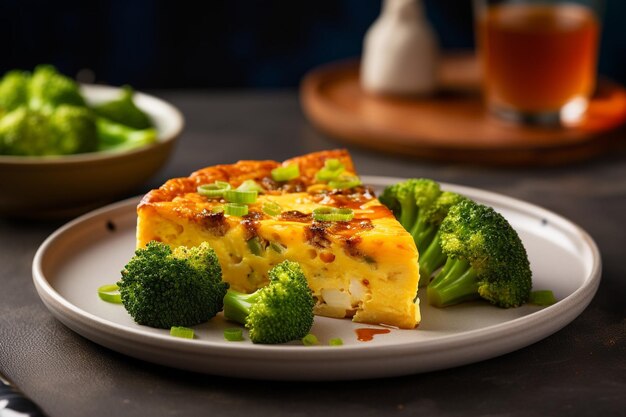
column 280, row 312
column 67, row 130
column 124, row 111
column 408, row 200
column 24, row 132
column 13, row 90
column 119, row 137
column 49, row 89
column 161, row 287
column 485, row 258
column 74, row 130
column 420, row 206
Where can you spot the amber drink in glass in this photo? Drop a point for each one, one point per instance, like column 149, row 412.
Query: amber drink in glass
column 538, row 58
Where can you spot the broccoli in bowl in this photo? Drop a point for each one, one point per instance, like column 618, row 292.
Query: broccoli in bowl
column 45, row 113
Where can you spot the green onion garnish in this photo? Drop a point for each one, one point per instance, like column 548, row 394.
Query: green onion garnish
column 310, row 340
column 343, row 182
column 235, row 209
column 327, row 175
column 272, row 208
column 286, row 173
column 255, row 246
column 332, row 214
column 233, row 334
column 110, row 294
column 337, row 341
column 542, row 298
column 216, row 189
column 241, row 197
column 332, row 169
column 184, row 332
column 217, row 209
column 277, row 247
column 333, row 164
column 250, row 185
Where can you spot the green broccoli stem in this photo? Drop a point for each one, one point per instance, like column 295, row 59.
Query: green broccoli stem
column 422, row 231
column 455, row 283
column 423, row 234
column 417, row 227
column 408, row 213
column 237, row 305
column 431, row 259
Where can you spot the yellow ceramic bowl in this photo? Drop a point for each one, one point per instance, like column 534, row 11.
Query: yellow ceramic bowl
column 55, row 186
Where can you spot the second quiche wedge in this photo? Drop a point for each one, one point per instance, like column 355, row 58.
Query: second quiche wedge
column 365, row 267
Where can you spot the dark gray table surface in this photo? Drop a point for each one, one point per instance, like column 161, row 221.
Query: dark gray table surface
column 578, row 371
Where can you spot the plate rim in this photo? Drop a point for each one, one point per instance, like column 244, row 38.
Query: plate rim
column 570, row 307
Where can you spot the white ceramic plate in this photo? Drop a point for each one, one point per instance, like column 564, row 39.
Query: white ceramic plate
column 91, row 250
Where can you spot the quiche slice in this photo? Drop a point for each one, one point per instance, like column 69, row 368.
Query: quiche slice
column 365, row 267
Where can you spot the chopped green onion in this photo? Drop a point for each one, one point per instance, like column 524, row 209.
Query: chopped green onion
column 277, row 247
column 217, row 209
column 255, row 246
column 542, row 298
column 337, row 341
column 216, row 189
column 333, row 164
column 332, row 214
column 271, row 208
column 235, row 209
column 327, row 174
column 233, row 334
column 286, row 173
column 184, row 332
column 241, row 197
column 110, row 294
column 250, row 185
column 343, row 182
column 333, row 168
column 310, row 340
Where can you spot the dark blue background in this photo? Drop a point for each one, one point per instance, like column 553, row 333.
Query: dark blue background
column 222, row 43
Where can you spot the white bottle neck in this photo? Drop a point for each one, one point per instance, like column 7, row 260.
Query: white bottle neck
column 403, row 9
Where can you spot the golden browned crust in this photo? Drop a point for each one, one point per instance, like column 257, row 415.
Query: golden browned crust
column 313, row 162
column 237, row 173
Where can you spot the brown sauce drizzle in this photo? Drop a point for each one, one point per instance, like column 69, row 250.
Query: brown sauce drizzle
column 347, row 229
column 296, row 216
column 373, row 212
column 352, row 198
column 367, row 334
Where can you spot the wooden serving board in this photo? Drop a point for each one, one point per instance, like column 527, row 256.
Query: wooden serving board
column 454, row 125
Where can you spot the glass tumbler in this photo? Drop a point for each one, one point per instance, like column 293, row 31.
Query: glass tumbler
column 538, row 57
